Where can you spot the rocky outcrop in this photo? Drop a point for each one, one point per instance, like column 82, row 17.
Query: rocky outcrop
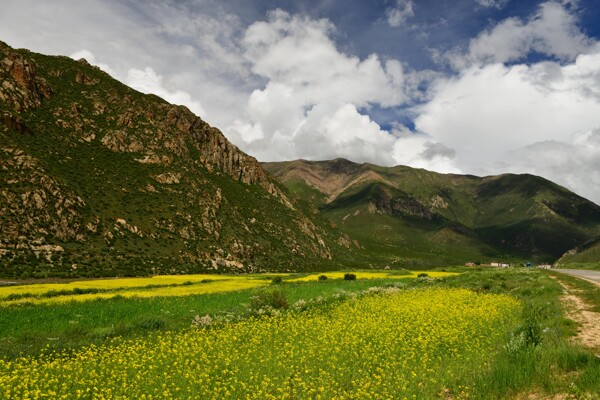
column 21, row 87
column 84, row 79
column 216, row 151
column 36, row 211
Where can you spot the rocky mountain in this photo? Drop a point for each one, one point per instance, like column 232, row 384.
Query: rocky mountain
column 414, row 216
column 99, row 179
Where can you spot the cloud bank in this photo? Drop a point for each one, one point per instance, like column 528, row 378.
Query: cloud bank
column 309, row 106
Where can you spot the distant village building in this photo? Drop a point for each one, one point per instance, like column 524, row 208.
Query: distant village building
column 545, row 266
column 493, row 264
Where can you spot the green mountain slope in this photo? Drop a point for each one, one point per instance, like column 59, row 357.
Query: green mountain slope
column 586, row 256
column 418, row 216
column 98, row 179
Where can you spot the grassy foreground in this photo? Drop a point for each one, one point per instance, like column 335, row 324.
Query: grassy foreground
column 378, row 338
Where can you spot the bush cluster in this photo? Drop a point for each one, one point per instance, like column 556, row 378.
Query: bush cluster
column 349, row 277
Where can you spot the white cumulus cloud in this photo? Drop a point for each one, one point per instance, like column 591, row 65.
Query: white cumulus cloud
column 309, row 106
column 148, row 81
column 552, row 30
column 493, row 112
column 499, row 4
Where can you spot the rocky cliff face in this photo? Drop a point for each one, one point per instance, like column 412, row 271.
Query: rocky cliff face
column 21, row 87
column 97, row 178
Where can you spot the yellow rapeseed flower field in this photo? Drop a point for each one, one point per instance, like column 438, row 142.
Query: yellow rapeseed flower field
column 108, row 284
column 372, row 275
column 167, row 285
column 396, row 344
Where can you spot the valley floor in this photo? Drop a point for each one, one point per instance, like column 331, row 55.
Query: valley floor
column 374, row 334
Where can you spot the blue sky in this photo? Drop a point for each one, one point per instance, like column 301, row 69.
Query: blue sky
column 464, row 86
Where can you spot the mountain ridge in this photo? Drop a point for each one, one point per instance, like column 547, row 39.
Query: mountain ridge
column 512, row 215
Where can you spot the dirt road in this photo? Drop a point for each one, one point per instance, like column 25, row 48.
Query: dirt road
column 579, row 311
column 582, row 273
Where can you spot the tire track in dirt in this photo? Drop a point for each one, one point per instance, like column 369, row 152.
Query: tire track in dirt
column 588, row 333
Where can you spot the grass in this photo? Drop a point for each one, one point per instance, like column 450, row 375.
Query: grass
column 538, row 357
column 589, row 292
column 529, row 352
column 581, row 265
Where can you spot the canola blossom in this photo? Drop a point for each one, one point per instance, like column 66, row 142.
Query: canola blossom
column 399, row 344
column 213, row 285
column 166, row 285
column 112, row 283
column 373, row 275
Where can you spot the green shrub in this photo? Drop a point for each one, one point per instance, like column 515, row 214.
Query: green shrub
column 322, row 277
column 423, row 275
column 349, row 277
column 274, row 298
column 277, row 280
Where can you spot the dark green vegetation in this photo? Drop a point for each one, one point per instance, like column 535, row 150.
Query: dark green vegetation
column 97, row 179
column 535, row 359
column 416, row 217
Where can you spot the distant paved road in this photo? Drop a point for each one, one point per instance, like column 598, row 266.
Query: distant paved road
column 581, row 273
